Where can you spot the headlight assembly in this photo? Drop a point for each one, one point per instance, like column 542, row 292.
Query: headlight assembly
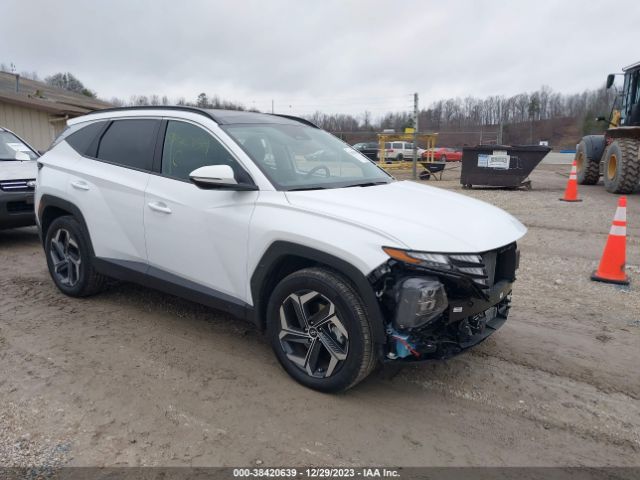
column 419, row 300
column 468, row 264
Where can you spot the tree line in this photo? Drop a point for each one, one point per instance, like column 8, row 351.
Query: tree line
column 442, row 115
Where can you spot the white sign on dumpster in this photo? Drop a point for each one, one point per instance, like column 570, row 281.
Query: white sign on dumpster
column 499, row 160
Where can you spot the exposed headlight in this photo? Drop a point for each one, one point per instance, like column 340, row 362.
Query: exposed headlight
column 419, row 300
column 469, row 264
column 438, row 260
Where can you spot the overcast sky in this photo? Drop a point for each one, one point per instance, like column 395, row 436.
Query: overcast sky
column 329, row 55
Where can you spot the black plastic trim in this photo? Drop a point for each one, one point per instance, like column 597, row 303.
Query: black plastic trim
column 51, row 201
column 297, row 119
column 236, row 187
column 92, row 151
column 159, row 148
column 463, row 308
column 280, row 250
column 152, row 277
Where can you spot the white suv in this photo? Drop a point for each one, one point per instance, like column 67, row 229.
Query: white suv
column 335, row 259
column 401, row 151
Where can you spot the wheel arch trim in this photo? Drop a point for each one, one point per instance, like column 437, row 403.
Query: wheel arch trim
column 47, row 201
column 278, row 251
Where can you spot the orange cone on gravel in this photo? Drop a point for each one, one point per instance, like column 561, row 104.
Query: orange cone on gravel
column 571, row 192
column 611, row 269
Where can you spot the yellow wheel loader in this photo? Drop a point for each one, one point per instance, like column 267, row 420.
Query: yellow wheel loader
column 615, row 155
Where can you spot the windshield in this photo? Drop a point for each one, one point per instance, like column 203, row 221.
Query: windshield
column 298, row 157
column 12, row 148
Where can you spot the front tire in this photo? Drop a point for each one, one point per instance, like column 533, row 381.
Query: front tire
column 621, row 166
column 319, row 330
column 69, row 259
column 588, row 169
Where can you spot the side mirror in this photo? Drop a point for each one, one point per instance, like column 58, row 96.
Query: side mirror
column 610, row 79
column 218, row 177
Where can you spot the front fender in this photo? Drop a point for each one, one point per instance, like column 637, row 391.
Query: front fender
column 280, row 251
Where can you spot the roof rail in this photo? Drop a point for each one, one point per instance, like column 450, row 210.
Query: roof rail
column 297, row 119
column 200, row 111
column 160, row 107
column 633, row 65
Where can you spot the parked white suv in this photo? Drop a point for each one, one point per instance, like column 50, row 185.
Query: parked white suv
column 401, row 151
column 17, row 181
column 335, row 259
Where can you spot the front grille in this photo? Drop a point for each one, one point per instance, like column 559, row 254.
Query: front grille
column 470, row 267
column 17, row 185
column 496, row 265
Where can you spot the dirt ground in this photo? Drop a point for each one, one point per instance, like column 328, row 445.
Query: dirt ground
column 135, row 377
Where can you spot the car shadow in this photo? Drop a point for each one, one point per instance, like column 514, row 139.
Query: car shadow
column 18, row 236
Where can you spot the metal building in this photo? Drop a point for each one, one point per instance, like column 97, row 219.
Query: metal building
column 36, row 111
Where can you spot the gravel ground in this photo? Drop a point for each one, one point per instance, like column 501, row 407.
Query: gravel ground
column 135, row 377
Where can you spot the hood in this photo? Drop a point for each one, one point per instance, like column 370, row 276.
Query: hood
column 18, row 170
column 416, row 216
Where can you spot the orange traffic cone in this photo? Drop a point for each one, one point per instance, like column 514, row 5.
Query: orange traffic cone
column 611, row 269
column 571, row 192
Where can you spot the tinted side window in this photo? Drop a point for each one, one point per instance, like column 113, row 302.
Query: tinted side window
column 397, row 145
column 187, row 147
column 129, row 143
column 83, row 138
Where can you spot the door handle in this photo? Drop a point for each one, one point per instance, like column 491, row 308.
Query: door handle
column 159, row 207
column 79, row 185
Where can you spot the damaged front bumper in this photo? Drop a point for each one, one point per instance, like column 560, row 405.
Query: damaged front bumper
column 465, row 315
column 454, row 332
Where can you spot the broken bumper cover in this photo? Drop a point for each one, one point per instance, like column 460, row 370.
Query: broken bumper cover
column 466, row 323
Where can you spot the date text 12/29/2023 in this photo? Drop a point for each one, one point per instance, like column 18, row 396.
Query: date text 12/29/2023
column 316, row 472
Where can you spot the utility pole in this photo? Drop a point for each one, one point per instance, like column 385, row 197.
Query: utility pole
column 499, row 121
column 415, row 136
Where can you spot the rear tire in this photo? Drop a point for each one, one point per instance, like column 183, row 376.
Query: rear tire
column 68, row 256
column 319, row 330
column 588, row 168
column 621, row 166
column 399, row 157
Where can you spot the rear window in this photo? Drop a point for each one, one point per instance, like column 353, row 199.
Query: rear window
column 82, row 139
column 129, row 143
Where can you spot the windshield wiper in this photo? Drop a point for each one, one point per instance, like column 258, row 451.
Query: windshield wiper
column 365, row 184
column 299, row 189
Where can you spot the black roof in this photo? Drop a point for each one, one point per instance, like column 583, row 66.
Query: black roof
column 223, row 117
